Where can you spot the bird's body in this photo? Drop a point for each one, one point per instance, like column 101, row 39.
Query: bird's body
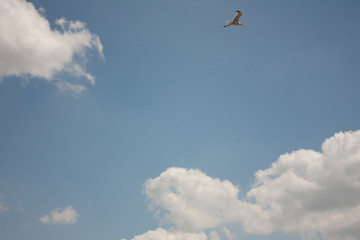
column 235, row 21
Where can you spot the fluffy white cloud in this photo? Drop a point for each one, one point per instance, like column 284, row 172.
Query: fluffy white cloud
column 192, row 200
column 29, row 47
column 305, row 191
column 163, row 234
column 311, row 192
column 61, row 216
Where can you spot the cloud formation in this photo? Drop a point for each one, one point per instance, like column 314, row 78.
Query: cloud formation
column 163, row 234
column 228, row 233
column 61, row 216
column 305, row 192
column 30, row 48
column 312, row 192
column 192, row 200
column 213, row 235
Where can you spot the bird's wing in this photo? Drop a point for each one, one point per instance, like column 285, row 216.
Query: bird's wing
column 236, row 18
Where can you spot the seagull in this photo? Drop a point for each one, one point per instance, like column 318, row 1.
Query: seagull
column 235, row 21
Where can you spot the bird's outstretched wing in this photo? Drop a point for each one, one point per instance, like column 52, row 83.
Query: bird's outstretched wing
column 238, row 15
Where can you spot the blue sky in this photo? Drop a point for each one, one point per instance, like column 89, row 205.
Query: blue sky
column 176, row 89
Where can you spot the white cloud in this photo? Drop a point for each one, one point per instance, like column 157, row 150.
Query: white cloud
column 305, row 191
column 65, row 86
column 213, row 235
column 228, row 233
column 61, row 216
column 30, row 48
column 163, row 234
column 192, row 200
column 311, row 192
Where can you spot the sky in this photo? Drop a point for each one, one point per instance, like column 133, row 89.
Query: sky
column 148, row 120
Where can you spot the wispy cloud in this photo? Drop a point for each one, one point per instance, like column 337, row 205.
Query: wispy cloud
column 3, row 207
column 61, row 216
column 228, row 233
column 305, row 192
column 213, row 235
column 30, row 48
column 163, row 234
column 10, row 203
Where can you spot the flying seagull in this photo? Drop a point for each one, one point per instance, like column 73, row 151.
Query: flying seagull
column 235, row 21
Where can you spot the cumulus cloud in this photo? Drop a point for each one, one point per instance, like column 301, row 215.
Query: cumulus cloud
column 192, row 200
column 305, row 192
column 312, row 192
column 29, row 47
column 61, row 216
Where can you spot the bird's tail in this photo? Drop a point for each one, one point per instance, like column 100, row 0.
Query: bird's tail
column 228, row 23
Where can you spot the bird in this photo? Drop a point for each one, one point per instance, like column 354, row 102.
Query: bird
column 236, row 20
